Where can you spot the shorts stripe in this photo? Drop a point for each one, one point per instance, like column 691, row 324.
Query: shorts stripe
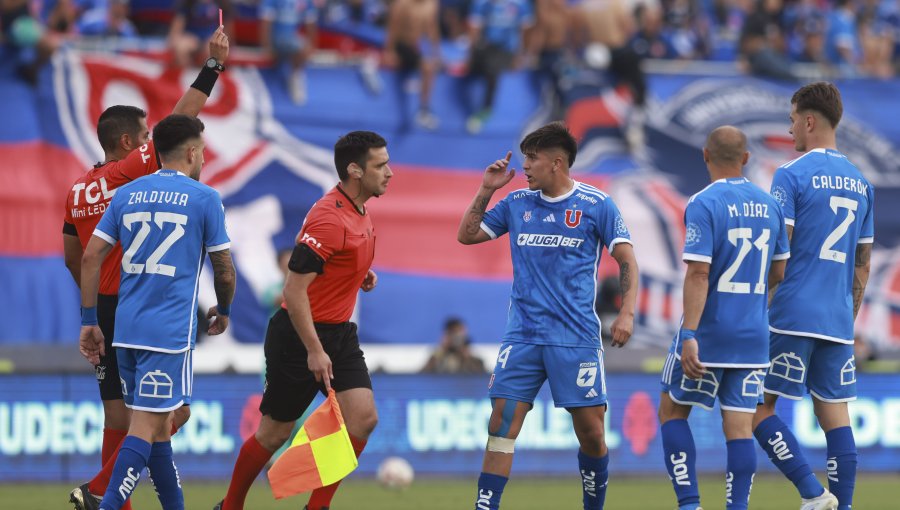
column 602, row 371
column 155, row 409
column 831, row 400
column 689, row 403
column 737, row 409
column 667, row 368
column 780, row 394
column 183, row 382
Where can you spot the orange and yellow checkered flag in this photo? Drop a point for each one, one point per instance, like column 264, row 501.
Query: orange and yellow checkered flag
column 320, row 454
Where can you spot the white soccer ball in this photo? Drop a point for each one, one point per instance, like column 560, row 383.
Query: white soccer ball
column 395, row 473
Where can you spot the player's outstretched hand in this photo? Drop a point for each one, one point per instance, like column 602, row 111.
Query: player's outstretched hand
column 91, row 344
column 217, row 323
column 496, row 176
column 320, row 365
column 621, row 329
column 370, row 281
column 218, row 45
column 690, row 359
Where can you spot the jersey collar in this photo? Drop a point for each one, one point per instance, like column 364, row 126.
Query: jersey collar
column 165, row 172
column 732, row 180
column 562, row 197
column 362, row 212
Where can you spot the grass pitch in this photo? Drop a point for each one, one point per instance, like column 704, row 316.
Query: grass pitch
column 769, row 493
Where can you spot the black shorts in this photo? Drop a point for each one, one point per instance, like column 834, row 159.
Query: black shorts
column 489, row 59
column 290, row 386
column 107, row 371
column 409, row 56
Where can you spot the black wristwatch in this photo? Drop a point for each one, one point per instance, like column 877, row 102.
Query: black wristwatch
column 212, row 63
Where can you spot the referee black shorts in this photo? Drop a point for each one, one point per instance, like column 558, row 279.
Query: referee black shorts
column 107, row 371
column 290, row 386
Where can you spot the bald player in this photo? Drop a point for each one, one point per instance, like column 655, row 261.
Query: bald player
column 734, row 237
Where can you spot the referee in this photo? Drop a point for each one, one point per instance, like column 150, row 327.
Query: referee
column 311, row 345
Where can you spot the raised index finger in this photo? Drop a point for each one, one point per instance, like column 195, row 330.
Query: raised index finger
column 508, row 156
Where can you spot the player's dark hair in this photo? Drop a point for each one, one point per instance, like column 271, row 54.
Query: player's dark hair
column 173, row 131
column 354, row 148
column 552, row 136
column 821, row 97
column 116, row 121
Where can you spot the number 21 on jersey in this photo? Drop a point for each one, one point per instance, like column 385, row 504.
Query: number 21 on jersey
column 744, row 236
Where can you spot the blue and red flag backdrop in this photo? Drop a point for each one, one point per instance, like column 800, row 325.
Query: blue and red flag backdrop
column 271, row 159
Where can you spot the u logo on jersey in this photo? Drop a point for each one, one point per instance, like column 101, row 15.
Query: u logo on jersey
column 573, row 218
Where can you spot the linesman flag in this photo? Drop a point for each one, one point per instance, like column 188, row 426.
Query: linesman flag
column 320, row 454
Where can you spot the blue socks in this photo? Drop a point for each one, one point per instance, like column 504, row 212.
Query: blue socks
column 841, row 465
column 594, row 479
column 164, row 476
column 781, row 446
column 739, row 474
column 681, row 459
column 132, row 459
column 490, row 488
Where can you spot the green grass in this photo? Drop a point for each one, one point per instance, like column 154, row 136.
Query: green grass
column 769, row 493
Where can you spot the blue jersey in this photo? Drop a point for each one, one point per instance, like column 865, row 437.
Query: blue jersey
column 502, row 21
column 166, row 223
column 555, row 244
column 831, row 207
column 738, row 229
column 288, row 15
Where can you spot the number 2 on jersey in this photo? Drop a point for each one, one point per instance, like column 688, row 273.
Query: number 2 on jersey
column 761, row 244
column 826, row 253
column 152, row 266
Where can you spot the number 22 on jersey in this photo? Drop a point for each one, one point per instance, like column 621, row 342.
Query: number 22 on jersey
column 152, row 265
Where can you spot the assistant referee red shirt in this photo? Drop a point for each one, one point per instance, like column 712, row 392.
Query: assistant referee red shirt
column 90, row 196
column 345, row 239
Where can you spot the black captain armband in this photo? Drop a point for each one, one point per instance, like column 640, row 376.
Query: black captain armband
column 205, row 80
column 69, row 229
column 305, row 260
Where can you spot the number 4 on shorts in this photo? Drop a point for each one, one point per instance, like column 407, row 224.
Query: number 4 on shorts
column 503, row 356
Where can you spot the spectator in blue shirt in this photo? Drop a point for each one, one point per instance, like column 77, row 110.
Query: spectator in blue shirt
column 811, row 41
column 279, row 25
column 496, row 32
column 876, row 38
column 649, row 41
column 107, row 20
column 762, row 42
column 841, row 41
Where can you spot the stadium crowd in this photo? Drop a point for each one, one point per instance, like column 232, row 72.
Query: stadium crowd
column 852, row 37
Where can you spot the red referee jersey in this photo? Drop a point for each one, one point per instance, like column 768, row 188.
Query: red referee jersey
column 345, row 239
column 90, row 196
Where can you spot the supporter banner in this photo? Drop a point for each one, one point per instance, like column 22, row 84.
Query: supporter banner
column 271, row 159
column 50, row 427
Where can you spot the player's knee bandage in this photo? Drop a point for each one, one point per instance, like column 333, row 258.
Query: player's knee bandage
column 500, row 444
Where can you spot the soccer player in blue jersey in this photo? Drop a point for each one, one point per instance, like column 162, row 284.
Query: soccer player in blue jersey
column 828, row 208
column 557, row 227
column 166, row 223
column 735, row 247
